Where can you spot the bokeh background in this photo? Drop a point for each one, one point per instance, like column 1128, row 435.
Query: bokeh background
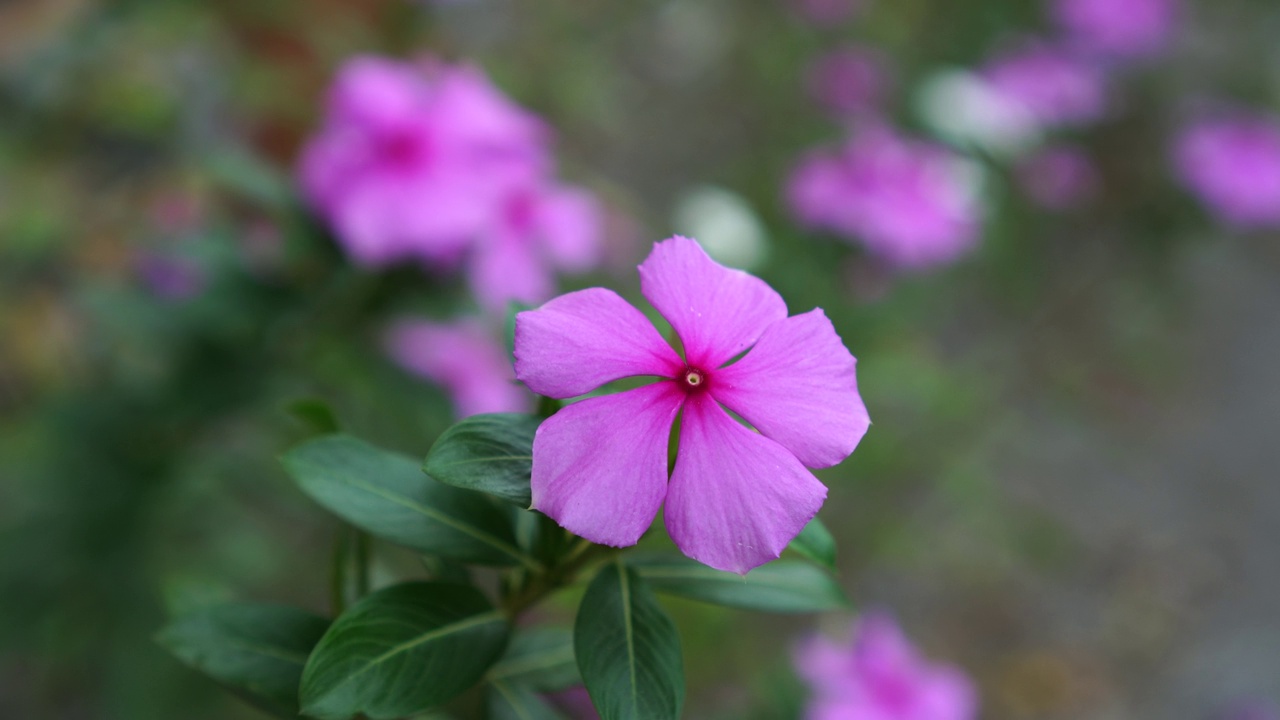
column 1070, row 486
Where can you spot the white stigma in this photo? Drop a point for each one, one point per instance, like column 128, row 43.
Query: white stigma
column 694, row 378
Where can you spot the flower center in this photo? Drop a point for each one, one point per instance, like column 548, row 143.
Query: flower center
column 693, row 379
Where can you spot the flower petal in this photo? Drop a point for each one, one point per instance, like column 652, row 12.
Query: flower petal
column 582, row 340
column 600, row 465
column 718, row 312
column 736, row 498
column 505, row 267
column 797, row 386
column 463, row 357
column 571, row 221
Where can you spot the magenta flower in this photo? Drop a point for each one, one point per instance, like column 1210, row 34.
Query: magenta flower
column 415, row 161
column 1056, row 86
column 538, row 230
column 1118, row 28
column 848, row 81
column 879, row 676
column 904, row 199
column 171, row 276
column 1233, row 165
column 464, row 358
column 1058, row 178
column 735, row 497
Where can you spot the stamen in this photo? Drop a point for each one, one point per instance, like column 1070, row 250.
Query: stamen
column 693, row 378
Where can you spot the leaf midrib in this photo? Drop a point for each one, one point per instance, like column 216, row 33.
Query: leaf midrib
column 430, row 635
column 627, row 623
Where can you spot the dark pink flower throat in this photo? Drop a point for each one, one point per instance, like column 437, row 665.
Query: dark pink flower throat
column 693, row 380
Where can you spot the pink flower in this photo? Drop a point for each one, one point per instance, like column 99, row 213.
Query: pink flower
column 1058, row 178
column 536, row 231
column 736, row 497
column 414, row 162
column 1233, row 165
column 848, row 81
column 902, row 198
column 880, row 677
column 1056, row 86
column 1119, row 28
column 463, row 357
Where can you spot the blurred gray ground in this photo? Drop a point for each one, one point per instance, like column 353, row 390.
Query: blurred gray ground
column 1165, row 601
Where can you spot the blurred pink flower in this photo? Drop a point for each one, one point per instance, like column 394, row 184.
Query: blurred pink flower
column 463, row 357
column 903, row 199
column 1233, row 165
column 879, row 676
column 413, row 161
column 736, row 497
column 825, row 12
column 537, row 230
column 1058, row 177
column 1118, row 28
column 1057, row 86
column 1251, row 710
column 848, row 81
column 171, row 276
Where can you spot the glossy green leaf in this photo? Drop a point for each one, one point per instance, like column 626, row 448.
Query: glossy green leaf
column 508, row 701
column 628, row 650
column 316, row 414
column 386, row 494
column 256, row 651
column 815, row 543
column 785, row 586
column 538, row 658
column 491, row 453
column 403, row 650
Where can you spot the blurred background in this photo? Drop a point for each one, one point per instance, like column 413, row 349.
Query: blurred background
column 1069, row 489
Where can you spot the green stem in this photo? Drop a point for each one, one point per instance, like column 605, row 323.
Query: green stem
column 556, row 577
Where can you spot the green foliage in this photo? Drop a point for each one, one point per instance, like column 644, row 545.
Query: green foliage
column 388, row 495
column 783, row 586
column 256, row 651
column 538, row 658
column 403, row 650
column 490, row 453
column 628, row 650
column 516, row 702
column 816, row 543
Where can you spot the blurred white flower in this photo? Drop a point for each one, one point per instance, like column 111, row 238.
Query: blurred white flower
column 725, row 224
column 964, row 108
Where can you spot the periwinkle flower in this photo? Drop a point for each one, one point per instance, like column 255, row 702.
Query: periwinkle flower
column 1118, row 28
column 905, row 200
column 848, row 81
column 171, row 276
column 1058, row 177
column 878, row 675
column 736, row 497
column 1233, row 165
column 463, row 357
column 414, row 161
column 1057, row 86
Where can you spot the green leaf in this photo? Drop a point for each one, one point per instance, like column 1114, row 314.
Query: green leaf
column 785, row 586
column 386, row 494
column 403, row 650
column 540, row 659
column 490, row 453
column 315, row 414
column 815, row 543
column 628, row 650
column 517, row 702
column 256, row 651
column 514, row 307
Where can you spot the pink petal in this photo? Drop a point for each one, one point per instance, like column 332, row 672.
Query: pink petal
column 947, row 695
column 582, row 340
column 463, row 357
column 736, row 498
column 718, row 312
column 600, row 465
column 506, row 268
column 797, row 386
column 569, row 222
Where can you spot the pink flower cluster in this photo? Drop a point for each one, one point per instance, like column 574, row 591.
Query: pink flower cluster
column 1233, row 165
column 904, row 199
column 1118, row 28
column 430, row 163
column 877, row 675
column 463, row 357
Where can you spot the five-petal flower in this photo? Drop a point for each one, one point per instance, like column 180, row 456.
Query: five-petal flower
column 736, row 497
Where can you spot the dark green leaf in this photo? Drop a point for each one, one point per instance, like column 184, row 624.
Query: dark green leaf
column 403, row 650
column 540, row 536
column 815, row 542
column 386, row 494
column 628, row 650
column 539, row 658
column 787, row 586
column 517, row 702
column 491, row 453
column 257, row 651
column 315, row 414
column 514, row 307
